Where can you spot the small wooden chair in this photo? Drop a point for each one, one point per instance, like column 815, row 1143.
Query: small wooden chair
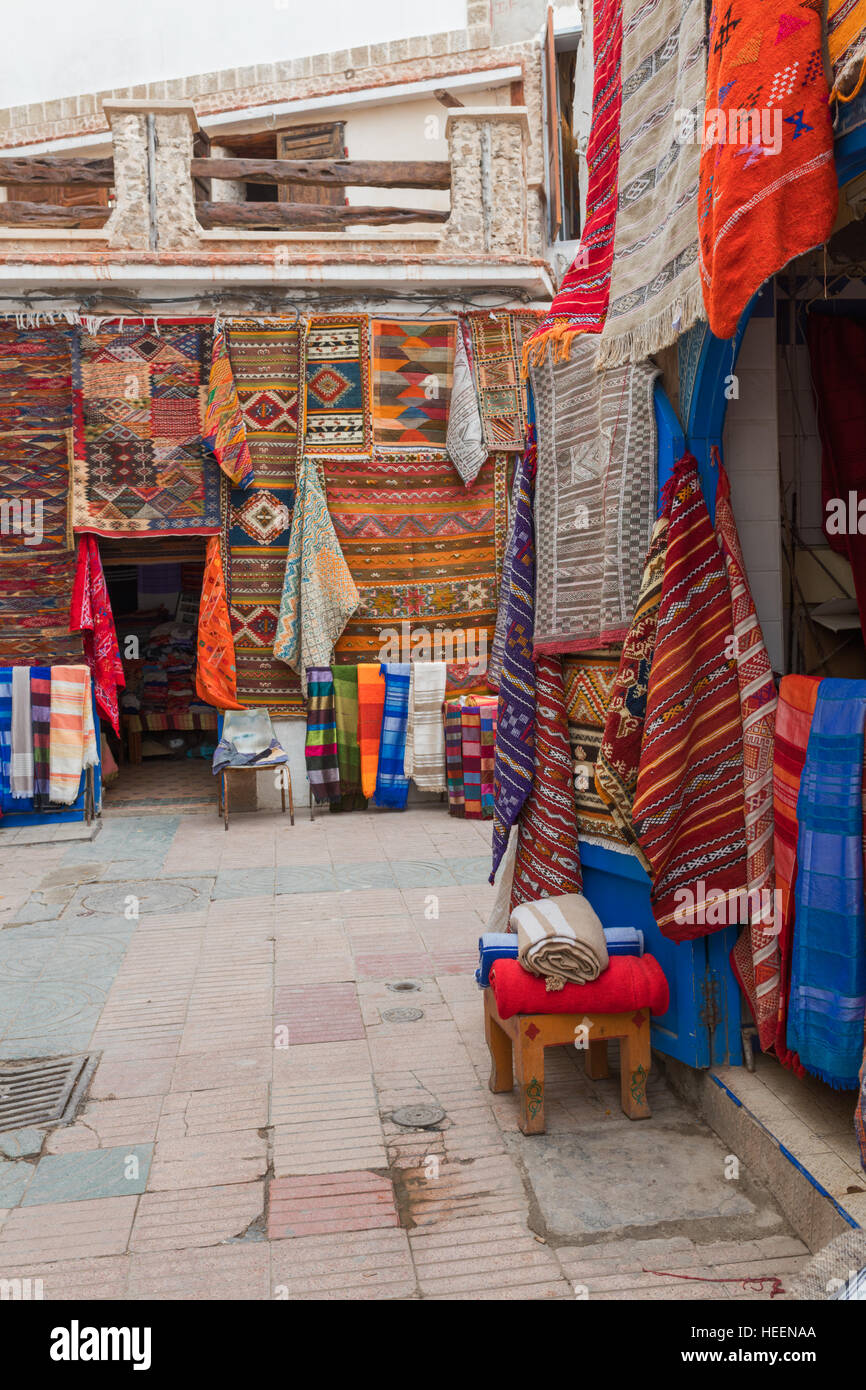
column 253, row 731
column 520, row 1041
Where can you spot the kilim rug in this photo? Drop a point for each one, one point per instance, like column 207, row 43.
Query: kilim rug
column 425, row 553
column 453, row 716
column 35, row 378
column 590, row 681
column 796, row 707
column 655, row 291
column 846, row 43
column 827, row 1002
column 413, row 369
column 616, row 767
column 91, row 615
column 513, row 764
column 494, row 664
column 35, row 475
column 688, row 810
column 465, row 436
column 224, row 430
column 596, row 490
column 497, row 351
column 392, row 787
column 547, row 862
column 755, row 957
column 267, row 362
column 758, row 209
column 215, row 671
column 141, row 464
column 371, row 704
column 320, row 746
column 345, row 680
column 34, row 611
column 581, row 304
column 338, row 384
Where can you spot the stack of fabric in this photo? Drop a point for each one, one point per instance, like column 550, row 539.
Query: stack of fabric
column 470, row 739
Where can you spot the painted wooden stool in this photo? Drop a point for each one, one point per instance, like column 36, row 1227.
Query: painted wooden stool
column 519, row 1043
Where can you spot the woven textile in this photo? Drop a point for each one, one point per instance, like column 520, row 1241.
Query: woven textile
column 465, row 436
column 21, row 760
column 413, row 371
column 860, row 1109
column 267, row 362
column 755, row 957
column 371, row 705
column 796, row 707
column 590, row 680
column 40, row 715
column 581, row 304
column 560, row 939
column 596, row 491
column 470, row 729
column 497, row 651
column 319, row 594
column 224, row 430
column 320, row 745
column 34, row 611
column 760, row 204
column 688, row 810
column 35, row 378
column 513, row 766
column 548, row 861
column 338, row 384
column 497, row 351
column 616, row 767
column 425, row 553
column 215, row 672
column 846, row 42
column 91, row 615
column 424, row 759
column 655, row 291
column 629, row 983
column 345, row 680
column 489, row 709
column 5, row 734
column 35, row 474
column 72, row 744
column 453, row 718
column 827, row 1002
column 140, row 462
column 392, row 787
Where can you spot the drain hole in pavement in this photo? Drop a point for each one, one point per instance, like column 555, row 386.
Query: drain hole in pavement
column 402, row 1015
column 418, row 1116
column 42, row 1091
column 404, row 986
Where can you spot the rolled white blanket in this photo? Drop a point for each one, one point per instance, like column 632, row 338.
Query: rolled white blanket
column 560, row 939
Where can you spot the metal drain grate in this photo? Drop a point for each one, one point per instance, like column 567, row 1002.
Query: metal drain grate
column 42, row 1092
column 418, row 1116
column 402, row 1015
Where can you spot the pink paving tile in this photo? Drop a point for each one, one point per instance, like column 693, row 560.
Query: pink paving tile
column 390, row 965
column 318, row 1013
column 330, row 1202
column 456, row 962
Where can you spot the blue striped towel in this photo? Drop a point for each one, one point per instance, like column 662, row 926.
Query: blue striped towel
column 498, row 945
column 392, row 788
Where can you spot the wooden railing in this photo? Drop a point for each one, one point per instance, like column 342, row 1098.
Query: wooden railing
column 67, row 180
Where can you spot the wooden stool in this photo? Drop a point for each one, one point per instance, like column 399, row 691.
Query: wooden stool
column 521, row 1040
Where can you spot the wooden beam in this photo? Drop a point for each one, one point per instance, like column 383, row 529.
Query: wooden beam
column 51, row 215
column 307, row 215
column 328, row 173
column 54, row 169
column 446, row 99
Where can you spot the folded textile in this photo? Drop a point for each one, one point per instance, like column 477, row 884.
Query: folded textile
column 561, row 939
column 464, row 440
column 768, row 187
column 616, row 768
column 215, row 672
column 21, row 763
column 424, row 759
column 345, row 680
column 392, row 788
column 493, row 946
column 497, row 647
column 629, row 983
column 548, row 859
column 500, row 913
column 223, row 428
column 319, row 594
column 371, row 705
column 227, row 754
column 320, row 745
column 796, row 708
column 72, row 745
column 40, row 713
column 453, row 721
column 515, row 732
column 90, row 614
column 596, row 489
column 688, row 810
column 828, row 970
column 624, row 941
column 755, row 957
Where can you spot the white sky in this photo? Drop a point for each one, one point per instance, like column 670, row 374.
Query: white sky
column 58, row 48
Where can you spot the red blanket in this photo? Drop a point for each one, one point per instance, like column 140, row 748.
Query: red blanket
column 90, row 614
column 629, row 983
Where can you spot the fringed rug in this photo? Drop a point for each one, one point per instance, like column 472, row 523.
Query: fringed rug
column 338, row 412
column 141, row 464
column 846, row 44
column 655, row 291
column 547, row 863
column 596, row 490
column 688, row 811
column 762, row 200
column 497, row 351
column 590, row 680
column 320, row 744
column 755, row 957
column 413, row 371
column 616, row 768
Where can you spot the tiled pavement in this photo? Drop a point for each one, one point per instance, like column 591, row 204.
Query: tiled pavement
column 237, row 1141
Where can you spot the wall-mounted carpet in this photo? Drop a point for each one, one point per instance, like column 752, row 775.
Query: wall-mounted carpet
column 413, row 372
column 35, row 594
column 35, row 471
column 35, row 378
column 590, row 680
column 338, row 384
column 497, row 350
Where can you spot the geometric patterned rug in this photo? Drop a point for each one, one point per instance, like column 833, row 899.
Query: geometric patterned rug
column 337, row 410
column 497, row 349
column 589, row 680
column 413, row 372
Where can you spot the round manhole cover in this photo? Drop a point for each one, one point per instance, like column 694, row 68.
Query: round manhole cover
column 402, row 1015
column 418, row 1116
column 405, row 986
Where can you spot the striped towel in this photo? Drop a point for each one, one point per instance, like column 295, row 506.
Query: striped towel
column 5, row 732
column 454, row 756
column 424, row 760
column 488, row 708
column 320, row 745
column 371, row 701
column 40, row 711
column 561, row 939
column 624, row 941
column 73, row 737
column 493, row 946
column 470, row 723
column 392, row 788
column 22, row 734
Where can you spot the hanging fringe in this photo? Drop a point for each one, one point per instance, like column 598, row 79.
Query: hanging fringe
column 857, row 59
column 660, row 331
column 557, row 338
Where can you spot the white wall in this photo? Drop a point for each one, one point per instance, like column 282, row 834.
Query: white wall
column 58, row 48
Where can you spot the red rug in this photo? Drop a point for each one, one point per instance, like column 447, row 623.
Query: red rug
column 90, row 614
